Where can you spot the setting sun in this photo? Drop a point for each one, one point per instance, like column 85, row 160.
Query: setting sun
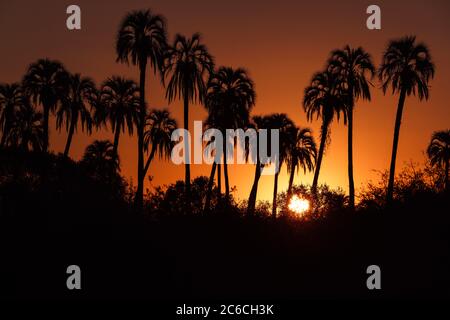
column 298, row 205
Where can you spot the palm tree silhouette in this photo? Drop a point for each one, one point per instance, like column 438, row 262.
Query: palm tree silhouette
column 187, row 66
column 258, row 123
column 159, row 127
column 407, row 68
column 11, row 99
column 325, row 99
column 44, row 82
column 353, row 66
column 142, row 37
column 217, row 154
column 75, row 107
column 26, row 131
column 438, row 152
column 302, row 154
column 229, row 100
column 119, row 104
column 100, row 159
column 287, row 130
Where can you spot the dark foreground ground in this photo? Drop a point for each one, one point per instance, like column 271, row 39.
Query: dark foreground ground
column 55, row 213
column 225, row 257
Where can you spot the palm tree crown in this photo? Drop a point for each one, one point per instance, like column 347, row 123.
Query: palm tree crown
column 11, row 100
column 159, row 127
column 45, row 82
column 302, row 154
column 142, row 36
column 26, row 131
column 438, row 152
column 408, row 66
column 119, row 103
column 76, row 107
column 187, row 66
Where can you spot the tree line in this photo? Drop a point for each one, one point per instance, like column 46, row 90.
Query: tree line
column 188, row 72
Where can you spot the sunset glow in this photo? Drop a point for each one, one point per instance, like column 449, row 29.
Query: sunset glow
column 299, row 205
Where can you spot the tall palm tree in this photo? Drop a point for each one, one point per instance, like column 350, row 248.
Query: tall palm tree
column 11, row 99
column 438, row 152
column 258, row 122
column 187, row 66
column 325, row 99
column 75, row 107
column 354, row 66
column 159, row 127
column 302, row 154
column 119, row 104
column 45, row 82
column 26, row 131
column 229, row 100
column 407, row 68
column 287, row 129
column 142, row 37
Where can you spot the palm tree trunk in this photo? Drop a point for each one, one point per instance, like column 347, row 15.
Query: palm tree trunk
column 45, row 124
column 291, row 181
column 398, row 120
column 139, row 199
column 254, row 191
column 210, row 186
column 225, row 173
column 69, row 137
column 275, row 192
column 187, row 176
column 351, row 183
column 150, row 159
column 323, row 140
column 116, row 141
column 219, row 181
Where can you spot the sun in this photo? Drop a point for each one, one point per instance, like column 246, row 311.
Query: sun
column 298, row 205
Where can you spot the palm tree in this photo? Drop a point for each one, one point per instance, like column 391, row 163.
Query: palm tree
column 209, row 124
column 258, row 123
column 141, row 38
column 407, row 68
column 354, row 66
column 325, row 99
column 11, row 99
column 159, row 127
column 75, row 107
column 229, row 100
column 99, row 158
column 302, row 154
column 45, row 82
column 119, row 103
column 26, row 131
column 439, row 152
column 187, row 66
column 287, row 129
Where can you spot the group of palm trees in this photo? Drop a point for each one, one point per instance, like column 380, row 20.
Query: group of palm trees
column 187, row 71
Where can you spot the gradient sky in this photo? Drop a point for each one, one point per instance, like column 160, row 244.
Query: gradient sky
column 281, row 44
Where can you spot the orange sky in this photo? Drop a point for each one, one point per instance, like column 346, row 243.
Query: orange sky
column 281, row 43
